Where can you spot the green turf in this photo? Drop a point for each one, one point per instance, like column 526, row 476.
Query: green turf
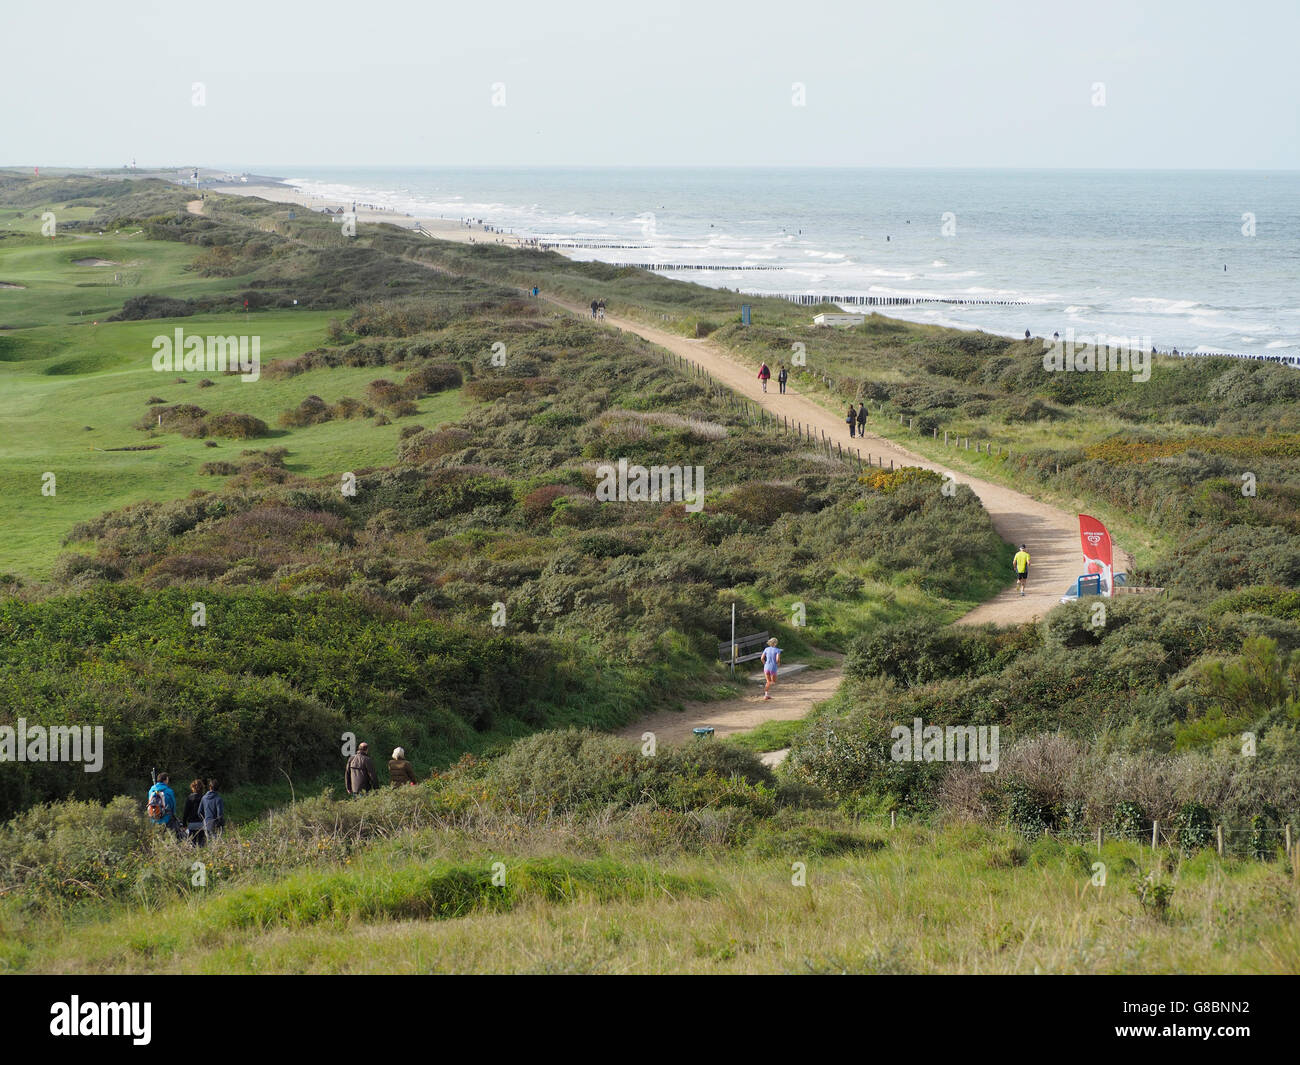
column 73, row 387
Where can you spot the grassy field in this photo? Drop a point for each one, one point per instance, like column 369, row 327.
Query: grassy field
column 914, row 900
column 71, row 394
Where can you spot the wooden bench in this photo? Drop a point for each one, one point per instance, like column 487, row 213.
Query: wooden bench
column 746, row 649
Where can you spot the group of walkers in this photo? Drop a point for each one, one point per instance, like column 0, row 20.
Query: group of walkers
column 855, row 419
column 598, row 309
column 204, row 815
column 359, row 775
column 765, row 375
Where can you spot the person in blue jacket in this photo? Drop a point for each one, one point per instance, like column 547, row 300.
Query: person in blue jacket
column 163, row 810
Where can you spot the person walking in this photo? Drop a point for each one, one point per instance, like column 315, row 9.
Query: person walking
column 1021, row 566
column 359, row 774
column 593, row 309
column 851, row 420
column 161, row 805
column 190, row 820
column 771, row 663
column 212, row 810
column 764, row 375
column 400, row 771
column 782, row 375
column 862, row 419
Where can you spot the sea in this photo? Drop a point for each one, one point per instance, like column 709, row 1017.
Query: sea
column 1198, row 261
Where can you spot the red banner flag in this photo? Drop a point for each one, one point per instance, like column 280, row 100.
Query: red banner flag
column 1096, row 549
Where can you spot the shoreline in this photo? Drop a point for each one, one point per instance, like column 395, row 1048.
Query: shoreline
column 479, row 231
column 441, row 228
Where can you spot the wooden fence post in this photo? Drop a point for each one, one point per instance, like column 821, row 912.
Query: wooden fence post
column 1155, row 834
column 1218, row 831
column 1099, row 839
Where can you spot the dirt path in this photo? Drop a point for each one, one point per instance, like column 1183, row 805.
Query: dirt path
column 194, row 207
column 1052, row 535
column 791, row 699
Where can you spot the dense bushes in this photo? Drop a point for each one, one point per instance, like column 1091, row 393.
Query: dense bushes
column 193, row 421
column 200, row 700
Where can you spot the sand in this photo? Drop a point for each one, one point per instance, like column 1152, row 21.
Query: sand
column 442, row 228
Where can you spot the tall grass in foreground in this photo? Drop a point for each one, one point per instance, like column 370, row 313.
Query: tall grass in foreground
column 962, row 899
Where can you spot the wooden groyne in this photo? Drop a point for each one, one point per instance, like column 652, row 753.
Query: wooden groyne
column 805, row 300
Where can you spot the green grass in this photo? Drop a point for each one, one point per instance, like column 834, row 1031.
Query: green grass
column 917, row 901
column 769, row 736
column 70, row 394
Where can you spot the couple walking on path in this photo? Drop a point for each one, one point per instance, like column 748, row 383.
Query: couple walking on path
column 856, row 418
column 765, row 375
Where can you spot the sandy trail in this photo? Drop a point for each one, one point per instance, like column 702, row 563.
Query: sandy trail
column 1052, row 535
column 792, row 698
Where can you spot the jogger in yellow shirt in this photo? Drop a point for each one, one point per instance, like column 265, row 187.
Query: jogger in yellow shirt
column 1021, row 565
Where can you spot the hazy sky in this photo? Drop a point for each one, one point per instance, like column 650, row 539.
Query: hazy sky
column 1186, row 83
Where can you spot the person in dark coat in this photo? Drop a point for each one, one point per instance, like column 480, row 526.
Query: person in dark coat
column 400, row 771
column 851, row 420
column 190, row 819
column 360, row 775
column 862, row 419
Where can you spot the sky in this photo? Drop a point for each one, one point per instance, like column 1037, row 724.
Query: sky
column 1178, row 84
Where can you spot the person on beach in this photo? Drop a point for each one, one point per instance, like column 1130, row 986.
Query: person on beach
column 781, row 377
column 851, row 419
column 1021, row 566
column 212, row 811
column 862, row 419
column 764, row 375
column 400, row 771
column 359, row 775
column 771, row 663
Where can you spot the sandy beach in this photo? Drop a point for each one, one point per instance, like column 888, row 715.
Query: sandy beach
column 442, row 228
